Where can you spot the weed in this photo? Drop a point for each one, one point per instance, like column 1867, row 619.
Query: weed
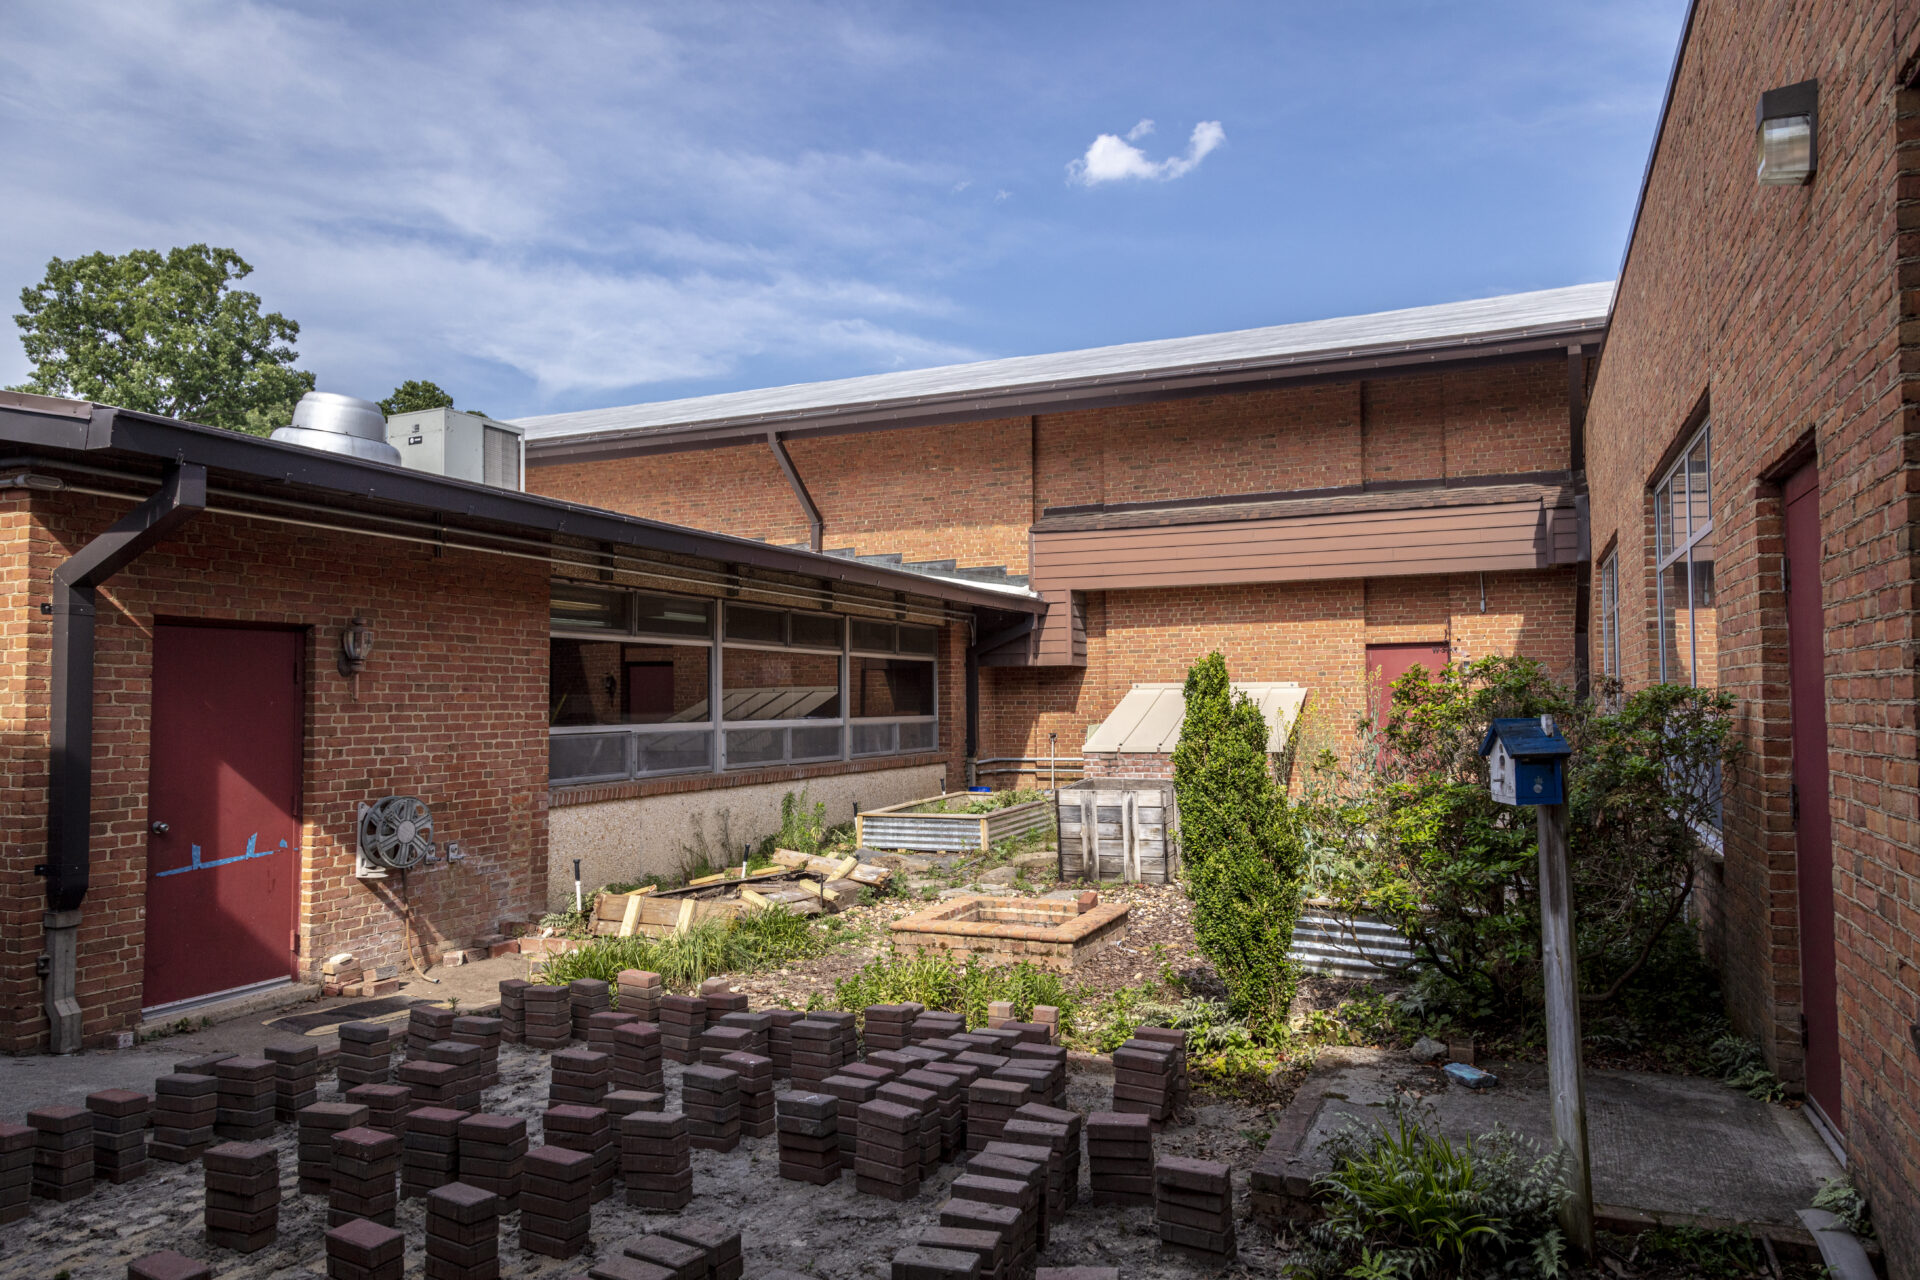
column 938, row 982
column 1841, row 1198
column 757, row 940
column 1704, row 1253
column 1742, row 1067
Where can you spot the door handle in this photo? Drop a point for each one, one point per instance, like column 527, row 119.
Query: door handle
column 159, row 828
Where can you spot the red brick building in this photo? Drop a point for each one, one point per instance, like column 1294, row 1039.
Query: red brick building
column 1315, row 500
column 1751, row 450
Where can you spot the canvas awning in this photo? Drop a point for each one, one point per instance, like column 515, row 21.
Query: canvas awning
column 1148, row 719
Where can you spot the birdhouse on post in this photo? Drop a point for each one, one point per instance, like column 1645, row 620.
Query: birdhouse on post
column 1526, row 760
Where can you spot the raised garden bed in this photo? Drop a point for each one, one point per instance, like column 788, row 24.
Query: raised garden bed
column 1048, row 933
column 939, row 824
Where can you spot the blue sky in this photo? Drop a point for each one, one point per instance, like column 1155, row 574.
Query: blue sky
column 551, row 207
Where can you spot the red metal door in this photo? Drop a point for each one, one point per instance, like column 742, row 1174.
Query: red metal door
column 1813, row 832
column 1388, row 662
column 223, row 810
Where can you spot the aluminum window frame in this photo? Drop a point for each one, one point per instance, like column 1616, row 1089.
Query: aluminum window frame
column 1669, row 551
column 1610, row 616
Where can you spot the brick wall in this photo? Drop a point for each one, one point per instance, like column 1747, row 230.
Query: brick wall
column 1780, row 310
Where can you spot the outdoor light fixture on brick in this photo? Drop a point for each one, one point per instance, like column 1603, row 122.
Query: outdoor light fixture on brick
column 356, row 646
column 1784, row 134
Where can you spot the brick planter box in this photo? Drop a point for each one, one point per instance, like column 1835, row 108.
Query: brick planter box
column 1047, row 933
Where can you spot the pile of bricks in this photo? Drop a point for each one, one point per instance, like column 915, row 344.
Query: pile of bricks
column 600, row 1029
column 1005, row 1178
column 387, row 1104
column 717, row 1041
column 168, row 1265
column 366, row 1055
column 1058, row 1131
column 821, row 1046
column 888, row 1026
column 1050, row 1058
column 430, row 1150
column 780, row 1040
column 927, row 1103
column 949, row 1099
column 243, row 1196
column 710, row 1099
column 365, row 1250
column 721, row 999
column 364, row 1179
column 469, row 1063
column 926, row 1262
column 991, row 1102
column 296, row 1077
column 849, row 1093
column 246, row 1092
column 62, row 1152
column 424, row 1083
column 720, row 1244
column 682, row 1019
column 16, row 1171
column 654, row 1257
column 427, row 1025
column 992, row 1218
column 1174, row 1041
column 1193, row 1206
column 1120, row 1157
column 463, row 1233
column 637, row 1057
column 656, row 1161
column 580, row 1076
column 639, row 994
column 587, row 1130
column 487, row 1032
column 1146, row 1079
column 492, row 1149
column 318, row 1124
column 586, row 997
column 887, row 1160
column 546, row 1017
column 624, row 1102
column 756, row 1092
column 935, row 1024
column 120, row 1120
column 556, row 1201
column 758, row 1026
column 809, row 1137
column 513, row 1009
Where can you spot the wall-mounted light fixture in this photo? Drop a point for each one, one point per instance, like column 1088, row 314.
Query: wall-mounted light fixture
column 1784, row 133
column 356, row 645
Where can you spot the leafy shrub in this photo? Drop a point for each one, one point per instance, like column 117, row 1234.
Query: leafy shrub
column 1240, row 854
column 1405, row 1202
column 1841, row 1198
column 1743, row 1067
column 803, row 827
column 940, row 982
column 755, row 940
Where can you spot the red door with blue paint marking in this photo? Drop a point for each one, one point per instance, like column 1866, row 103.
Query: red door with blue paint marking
column 223, row 820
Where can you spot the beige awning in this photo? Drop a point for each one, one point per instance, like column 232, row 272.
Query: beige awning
column 1148, row 719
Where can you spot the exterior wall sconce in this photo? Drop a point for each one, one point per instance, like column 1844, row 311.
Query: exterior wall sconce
column 1784, row 131
column 356, row 645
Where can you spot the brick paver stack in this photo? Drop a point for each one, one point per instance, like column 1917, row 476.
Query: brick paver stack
column 653, row 1257
column 1146, row 1079
column 990, row 1247
column 991, row 1102
column 364, row 1180
column 1120, row 1157
column 639, row 993
column 887, row 1158
column 819, row 1049
column 492, row 1151
column 387, row 1104
column 1193, row 1206
column 246, row 1106
column 364, row 1250
column 588, row 1130
column 1049, row 1057
column 1059, row 1131
column 656, row 1161
column 366, row 1055
column 318, row 1124
column 430, row 1150
column 920, row 1262
column 201, row 1064
column 927, row 1103
column 936, row 1024
column 463, row 1233
column 850, row 1093
column 62, row 1152
column 624, row 1102
column 556, row 1201
column 757, row 1025
column 950, row 1099
column 601, row 1026
column 487, row 1032
column 426, row 1083
column 720, row 1242
column 756, row 1092
column 428, row 1025
column 469, row 1062
column 1024, row 1165
column 682, row 1019
column 243, row 1196
column 16, row 1171
column 887, row 1026
column 120, row 1121
column 717, row 1041
column 809, row 1137
column 296, row 1077
column 992, row 1218
column 721, row 999
column 513, row 1009
column 586, row 997
column 637, row 1057
column 710, row 1099
column 580, row 1076
column 1175, row 1041
column 546, row 1017
column 780, row 1041
column 168, row 1265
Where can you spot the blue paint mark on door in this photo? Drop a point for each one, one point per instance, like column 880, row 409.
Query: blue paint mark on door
column 197, row 865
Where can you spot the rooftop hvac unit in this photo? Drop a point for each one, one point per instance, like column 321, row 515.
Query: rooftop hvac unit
column 464, row 446
column 396, row 834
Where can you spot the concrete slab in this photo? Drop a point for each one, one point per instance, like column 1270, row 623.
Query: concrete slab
column 1670, row 1147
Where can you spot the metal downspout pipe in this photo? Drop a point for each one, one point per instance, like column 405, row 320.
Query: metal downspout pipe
column 181, row 496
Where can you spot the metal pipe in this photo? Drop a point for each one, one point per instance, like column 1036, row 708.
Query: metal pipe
column 182, row 495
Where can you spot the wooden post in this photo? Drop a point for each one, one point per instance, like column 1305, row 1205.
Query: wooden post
column 1565, row 1080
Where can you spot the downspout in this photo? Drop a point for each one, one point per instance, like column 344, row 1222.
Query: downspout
column 181, row 496
column 973, row 700
column 816, row 527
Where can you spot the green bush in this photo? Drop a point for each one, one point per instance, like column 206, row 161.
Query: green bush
column 760, row 939
column 1240, row 854
column 940, row 982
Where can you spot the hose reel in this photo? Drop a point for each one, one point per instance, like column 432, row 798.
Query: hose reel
column 396, row 834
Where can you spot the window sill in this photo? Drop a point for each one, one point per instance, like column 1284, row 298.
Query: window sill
column 562, row 797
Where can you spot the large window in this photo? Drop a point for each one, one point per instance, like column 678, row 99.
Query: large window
column 636, row 679
column 1683, row 539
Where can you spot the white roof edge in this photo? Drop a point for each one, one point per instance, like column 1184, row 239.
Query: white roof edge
column 1148, row 717
column 1408, row 328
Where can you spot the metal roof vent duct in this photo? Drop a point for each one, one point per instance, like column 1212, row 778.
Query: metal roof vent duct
column 340, row 424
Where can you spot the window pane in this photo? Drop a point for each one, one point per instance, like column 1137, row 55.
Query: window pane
column 891, row 687
column 761, row 626
column 586, row 757
column 815, row 744
column 1699, row 489
column 674, row 752
column 1662, row 521
column 919, row 737
column 667, row 616
column 873, row 739
column 820, row 630
column 765, row 685
column 1676, row 629
column 919, row 640
column 877, row 636
column 756, row 746
column 576, row 608
column 1706, row 631
column 1609, row 600
column 608, row 682
column 1677, row 526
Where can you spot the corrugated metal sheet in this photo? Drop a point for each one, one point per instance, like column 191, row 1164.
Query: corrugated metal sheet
column 1148, row 718
column 1580, row 308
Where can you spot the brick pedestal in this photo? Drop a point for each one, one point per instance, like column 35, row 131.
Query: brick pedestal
column 463, row 1233
column 656, row 1160
column 492, row 1149
column 318, row 1123
column 556, row 1201
column 808, row 1132
column 243, row 1196
column 62, row 1152
column 121, row 1118
column 1193, row 1206
column 364, row 1181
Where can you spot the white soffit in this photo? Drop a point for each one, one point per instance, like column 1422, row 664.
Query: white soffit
column 1149, row 717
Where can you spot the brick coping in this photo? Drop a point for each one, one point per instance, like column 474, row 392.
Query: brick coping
column 942, row 920
column 681, row 784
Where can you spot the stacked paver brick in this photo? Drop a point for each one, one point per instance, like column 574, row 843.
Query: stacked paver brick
column 719, row 1242
column 935, row 1024
column 428, row 1082
column 513, row 1010
column 1002, row 1208
column 710, row 1099
column 601, row 1026
column 579, row 1076
column 464, row 1086
column 756, row 1092
column 1193, row 1206
column 366, row 1055
column 16, row 1171
column 547, row 1017
column 1120, row 1157
column 120, row 1121
column 682, row 1019
column 821, row 1046
column 1176, row 1041
column 656, row 1160
column 638, row 993
column 318, row 1124
column 167, row 1265
column 780, row 1041
column 365, row 1250
column 991, row 1102
column 62, row 1152
column 1052, row 1058
column 717, row 1041
column 556, row 1201
column 364, row 1179
column 296, row 1078
column 1146, row 1079
column 587, row 1130
column 430, row 1150
column 1059, row 1132
column 637, row 1057
column 921, row 1262
column 721, row 998
column 988, row 1248
column 586, row 997
column 487, row 1032
column 492, row 1151
column 463, row 1233
column 809, row 1137
column 428, row 1025
column 887, row 1159
column 624, row 1102
column 950, row 1100
column 247, row 1092
column 243, row 1196
column 888, row 1026
column 927, row 1104
column 1025, row 1165
column 655, row 1257
column 388, row 1104
column 849, row 1093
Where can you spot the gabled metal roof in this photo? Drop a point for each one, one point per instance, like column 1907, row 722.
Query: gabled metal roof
column 1149, row 717
column 1516, row 323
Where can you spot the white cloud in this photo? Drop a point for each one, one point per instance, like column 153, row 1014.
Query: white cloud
column 1112, row 158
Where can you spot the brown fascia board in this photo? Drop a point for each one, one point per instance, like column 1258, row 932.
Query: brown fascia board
column 1106, row 392
column 355, row 487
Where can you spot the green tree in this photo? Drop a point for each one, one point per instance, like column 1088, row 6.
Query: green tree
column 414, row 395
column 162, row 333
column 1242, row 857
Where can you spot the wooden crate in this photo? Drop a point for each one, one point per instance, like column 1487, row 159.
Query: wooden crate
column 1117, row 829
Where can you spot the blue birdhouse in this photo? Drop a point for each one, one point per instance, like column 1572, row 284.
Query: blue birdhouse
column 1526, row 760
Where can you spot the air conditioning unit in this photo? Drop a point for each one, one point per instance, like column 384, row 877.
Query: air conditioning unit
column 463, row 446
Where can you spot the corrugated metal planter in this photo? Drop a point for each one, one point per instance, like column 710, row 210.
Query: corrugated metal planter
column 1330, row 942
column 913, row 826
column 1116, row 829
